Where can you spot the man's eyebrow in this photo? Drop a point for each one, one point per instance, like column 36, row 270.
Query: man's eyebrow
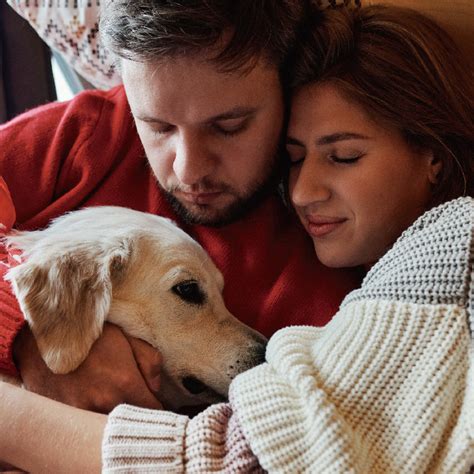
column 237, row 112
column 148, row 119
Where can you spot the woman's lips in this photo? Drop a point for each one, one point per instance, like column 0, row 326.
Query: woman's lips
column 322, row 226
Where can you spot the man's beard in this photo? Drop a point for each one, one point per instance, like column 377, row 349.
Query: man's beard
column 206, row 215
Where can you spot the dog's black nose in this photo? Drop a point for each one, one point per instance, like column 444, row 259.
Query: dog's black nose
column 259, row 353
column 193, row 385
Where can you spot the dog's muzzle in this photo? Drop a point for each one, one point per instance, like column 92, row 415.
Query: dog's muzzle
column 194, row 386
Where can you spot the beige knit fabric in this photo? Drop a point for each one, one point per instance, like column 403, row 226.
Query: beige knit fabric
column 141, row 440
column 386, row 387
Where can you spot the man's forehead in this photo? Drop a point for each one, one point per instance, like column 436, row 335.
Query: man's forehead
column 173, row 65
column 195, row 90
column 233, row 113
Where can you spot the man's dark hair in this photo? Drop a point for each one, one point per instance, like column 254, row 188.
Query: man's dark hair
column 150, row 30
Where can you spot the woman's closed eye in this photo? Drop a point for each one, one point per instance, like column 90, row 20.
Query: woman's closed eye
column 295, row 153
column 346, row 159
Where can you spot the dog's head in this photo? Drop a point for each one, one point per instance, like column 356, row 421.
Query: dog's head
column 143, row 273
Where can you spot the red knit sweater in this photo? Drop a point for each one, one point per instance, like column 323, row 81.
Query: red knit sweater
column 7, row 210
column 86, row 152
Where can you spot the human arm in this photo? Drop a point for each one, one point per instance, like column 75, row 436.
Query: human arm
column 41, row 435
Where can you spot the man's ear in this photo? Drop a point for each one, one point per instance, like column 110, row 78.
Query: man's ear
column 67, row 300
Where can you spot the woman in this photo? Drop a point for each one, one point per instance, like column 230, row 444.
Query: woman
column 381, row 131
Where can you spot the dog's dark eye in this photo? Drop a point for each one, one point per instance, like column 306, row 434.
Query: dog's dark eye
column 189, row 291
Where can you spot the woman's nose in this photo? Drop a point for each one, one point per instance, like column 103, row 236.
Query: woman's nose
column 308, row 185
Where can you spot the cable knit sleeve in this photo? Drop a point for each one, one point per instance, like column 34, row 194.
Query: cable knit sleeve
column 141, row 440
column 388, row 385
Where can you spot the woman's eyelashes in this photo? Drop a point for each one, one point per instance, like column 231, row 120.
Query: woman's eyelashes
column 346, row 159
column 296, row 156
column 296, row 161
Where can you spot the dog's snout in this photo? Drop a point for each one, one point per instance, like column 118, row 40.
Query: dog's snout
column 254, row 355
column 193, row 385
column 259, row 353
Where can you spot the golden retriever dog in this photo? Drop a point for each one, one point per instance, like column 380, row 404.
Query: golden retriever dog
column 144, row 274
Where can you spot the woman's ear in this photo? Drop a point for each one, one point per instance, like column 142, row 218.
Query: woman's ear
column 435, row 165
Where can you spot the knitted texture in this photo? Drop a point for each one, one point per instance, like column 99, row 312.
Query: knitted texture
column 11, row 317
column 215, row 443
column 422, row 271
column 7, row 210
column 132, row 440
column 386, row 387
column 141, row 440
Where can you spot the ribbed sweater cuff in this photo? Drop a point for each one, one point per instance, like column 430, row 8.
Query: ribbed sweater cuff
column 142, row 440
column 215, row 443
column 11, row 322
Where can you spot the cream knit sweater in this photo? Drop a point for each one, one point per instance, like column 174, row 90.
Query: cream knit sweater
column 386, row 387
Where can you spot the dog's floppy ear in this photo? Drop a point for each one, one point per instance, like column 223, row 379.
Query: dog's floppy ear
column 67, row 298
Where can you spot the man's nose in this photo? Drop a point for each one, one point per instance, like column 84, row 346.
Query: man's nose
column 309, row 186
column 193, row 160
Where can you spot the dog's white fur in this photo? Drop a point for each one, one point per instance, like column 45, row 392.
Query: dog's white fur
column 116, row 264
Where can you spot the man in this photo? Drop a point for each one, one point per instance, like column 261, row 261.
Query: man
column 202, row 83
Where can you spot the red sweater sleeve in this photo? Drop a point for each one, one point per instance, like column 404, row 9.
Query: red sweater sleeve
column 11, row 317
column 11, row 321
column 7, row 210
column 37, row 161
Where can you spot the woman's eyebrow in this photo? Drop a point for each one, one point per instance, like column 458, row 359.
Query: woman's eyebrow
column 340, row 136
column 328, row 139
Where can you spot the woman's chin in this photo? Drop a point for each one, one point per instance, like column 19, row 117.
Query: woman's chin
column 338, row 260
